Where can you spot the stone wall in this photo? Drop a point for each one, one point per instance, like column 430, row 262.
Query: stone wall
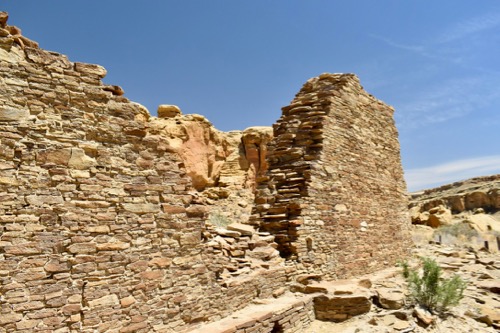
column 100, row 227
column 334, row 195
column 102, row 230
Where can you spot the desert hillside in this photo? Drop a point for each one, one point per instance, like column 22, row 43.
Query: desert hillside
column 464, row 210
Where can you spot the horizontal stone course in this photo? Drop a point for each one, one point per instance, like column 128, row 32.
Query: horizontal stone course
column 99, row 225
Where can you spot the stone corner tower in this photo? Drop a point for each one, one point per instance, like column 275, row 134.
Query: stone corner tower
column 334, row 194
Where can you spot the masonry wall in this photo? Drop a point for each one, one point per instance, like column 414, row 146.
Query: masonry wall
column 100, row 230
column 334, row 195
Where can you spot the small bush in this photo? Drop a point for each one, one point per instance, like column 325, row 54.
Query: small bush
column 430, row 290
column 219, row 220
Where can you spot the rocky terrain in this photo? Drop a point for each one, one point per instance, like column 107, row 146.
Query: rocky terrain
column 391, row 310
column 466, row 211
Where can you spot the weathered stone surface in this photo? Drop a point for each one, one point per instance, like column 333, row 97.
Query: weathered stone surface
column 11, row 114
column 241, row 228
column 109, row 300
column 141, row 208
column 90, row 69
column 4, row 16
column 168, row 111
column 391, row 298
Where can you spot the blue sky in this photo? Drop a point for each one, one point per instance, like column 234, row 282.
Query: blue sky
column 238, row 62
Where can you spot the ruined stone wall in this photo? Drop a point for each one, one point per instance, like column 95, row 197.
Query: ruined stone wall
column 99, row 227
column 334, row 195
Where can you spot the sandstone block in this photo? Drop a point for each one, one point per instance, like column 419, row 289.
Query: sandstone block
column 43, row 57
column 7, row 318
column 127, row 301
column 491, row 285
column 228, row 233
column 78, row 160
column 108, row 300
column 391, row 299
column 152, row 275
column 98, row 229
column 55, row 156
column 33, row 305
column 81, row 248
column 134, row 327
column 115, row 246
column 114, row 89
column 23, row 249
column 196, row 211
column 55, row 266
column 27, row 324
column 141, row 208
column 90, row 69
column 244, row 229
column 10, row 114
column 11, row 181
column 161, row 262
column 190, row 239
column 71, row 309
column 424, row 316
column 168, row 111
column 40, row 200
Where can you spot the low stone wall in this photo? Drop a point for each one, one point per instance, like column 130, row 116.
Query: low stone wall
column 284, row 315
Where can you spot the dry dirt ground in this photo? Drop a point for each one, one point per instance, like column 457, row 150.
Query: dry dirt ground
column 479, row 311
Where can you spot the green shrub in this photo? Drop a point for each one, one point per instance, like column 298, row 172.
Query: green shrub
column 430, row 290
column 219, row 220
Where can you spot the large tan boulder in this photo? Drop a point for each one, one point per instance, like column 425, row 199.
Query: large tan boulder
column 434, row 217
column 168, row 111
column 439, row 216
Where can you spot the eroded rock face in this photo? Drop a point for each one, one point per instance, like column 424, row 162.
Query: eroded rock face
column 255, row 141
column 223, row 166
column 467, row 195
column 474, row 201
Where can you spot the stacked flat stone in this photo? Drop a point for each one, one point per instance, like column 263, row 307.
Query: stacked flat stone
column 100, row 227
column 102, row 230
column 334, row 194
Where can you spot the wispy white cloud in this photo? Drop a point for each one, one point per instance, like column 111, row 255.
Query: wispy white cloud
column 470, row 27
column 442, row 96
column 413, row 48
column 443, row 101
column 440, row 174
